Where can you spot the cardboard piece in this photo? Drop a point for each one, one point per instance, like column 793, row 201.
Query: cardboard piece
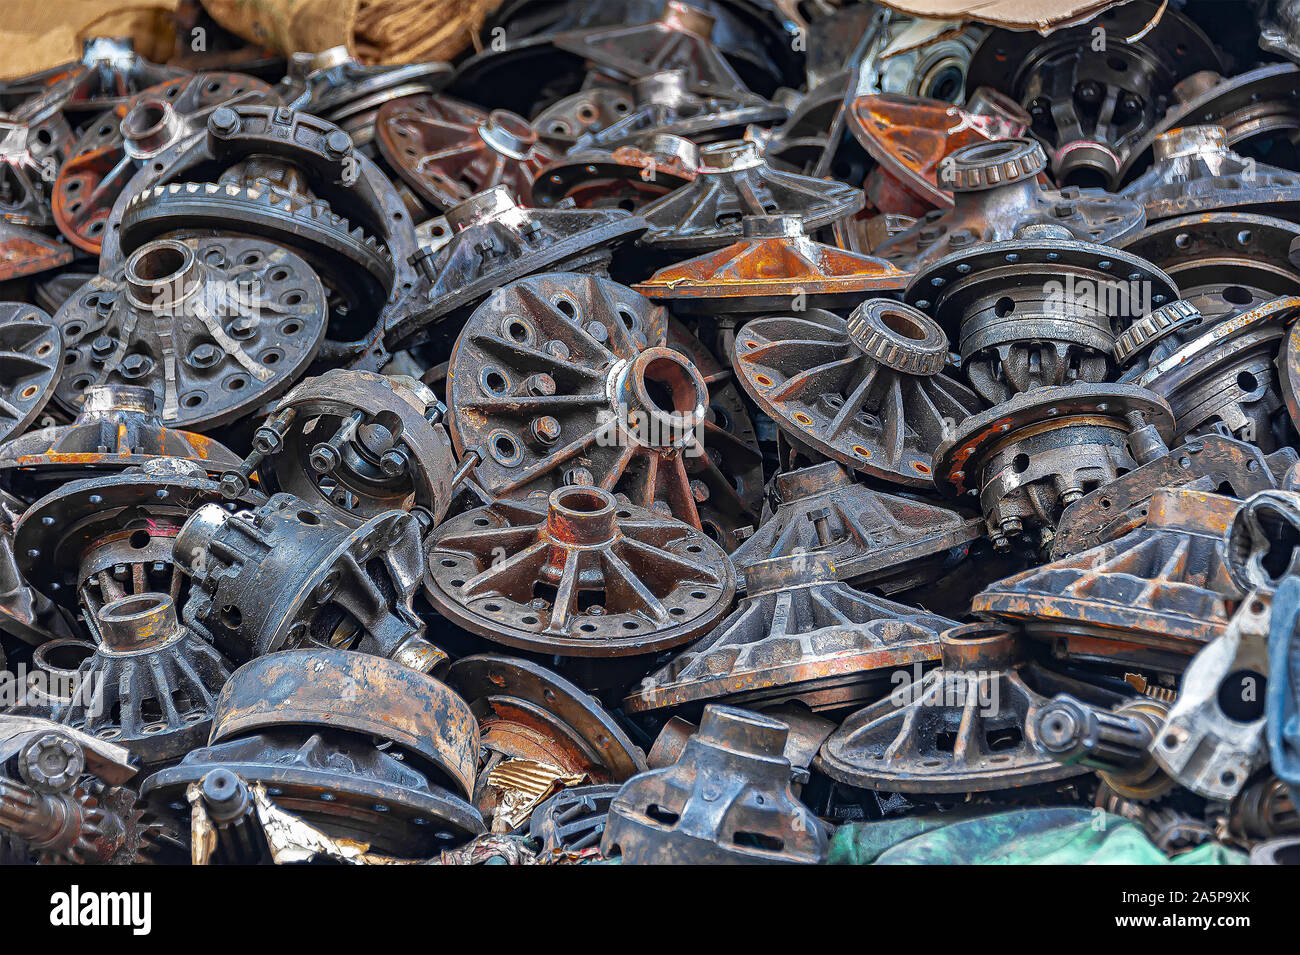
column 1041, row 15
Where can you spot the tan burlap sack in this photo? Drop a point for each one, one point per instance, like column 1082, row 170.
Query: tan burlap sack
column 37, row 34
column 376, row 31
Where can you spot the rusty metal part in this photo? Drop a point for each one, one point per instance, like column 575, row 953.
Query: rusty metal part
column 526, row 712
column 592, row 108
column 1262, row 540
column 733, row 181
column 580, row 574
column 878, row 541
column 573, row 820
column 1264, row 809
column 1223, row 262
column 910, row 137
column 997, row 197
column 1287, row 363
column 964, row 727
column 447, row 150
column 394, row 749
column 1156, row 335
column 31, row 360
column 727, row 800
column 25, row 612
column 1121, row 505
column 354, row 444
column 665, row 104
column 108, row 73
column 1092, row 104
column 1032, row 456
column 1017, row 331
column 1112, row 743
column 117, row 428
column 677, row 40
column 811, row 140
column 494, row 241
column 1195, row 171
column 870, row 393
column 336, row 86
column 35, row 139
column 1152, row 598
column 799, row 634
column 1226, row 380
column 1258, row 109
column 563, row 379
column 151, row 684
column 215, row 327
column 627, row 178
column 1171, row 829
column 223, row 802
column 298, row 181
column 1212, row 741
column 290, row 574
column 118, row 142
column 26, row 251
column 54, row 679
column 773, row 264
column 94, row 541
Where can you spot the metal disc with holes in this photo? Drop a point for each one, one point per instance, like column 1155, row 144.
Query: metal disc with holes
column 870, row 393
column 562, row 379
column 214, row 326
column 579, row 573
column 31, row 359
column 116, row 142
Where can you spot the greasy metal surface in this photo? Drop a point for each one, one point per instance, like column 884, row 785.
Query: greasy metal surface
column 1261, row 542
column 25, row 612
column 35, row 139
column 525, row 711
column 494, row 241
column 1016, row 331
column 798, row 635
column 117, row 142
column 911, row 136
column 117, row 428
column 733, row 181
column 727, row 800
column 1121, row 505
column 962, row 728
column 880, row 541
column 100, row 539
column 1091, row 106
column 1257, row 108
column 358, row 444
column 292, row 575
column 870, row 392
column 151, row 684
column 573, row 820
column 215, row 327
column 447, row 150
column 1225, row 379
column 677, row 40
column 1195, row 171
column 997, row 196
column 31, row 360
column 1151, row 598
column 580, row 574
column 773, row 264
column 1112, row 743
column 663, row 104
column 1030, row 457
column 564, row 379
column 301, row 688
column 1288, row 372
column 1222, row 262
column 26, row 251
column 627, row 178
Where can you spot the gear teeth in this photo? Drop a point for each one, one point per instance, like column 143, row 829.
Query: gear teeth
column 1152, row 327
column 990, row 165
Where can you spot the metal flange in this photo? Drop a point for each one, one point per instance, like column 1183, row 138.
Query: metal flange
column 214, row 327
column 31, row 361
column 1030, row 457
column 997, row 197
column 579, row 574
column 879, row 541
column 774, row 264
column 870, row 393
column 1151, row 598
column 567, row 379
column 627, row 178
column 733, row 181
column 800, row 635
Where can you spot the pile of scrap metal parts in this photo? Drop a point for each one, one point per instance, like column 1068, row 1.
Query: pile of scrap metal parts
column 668, row 441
